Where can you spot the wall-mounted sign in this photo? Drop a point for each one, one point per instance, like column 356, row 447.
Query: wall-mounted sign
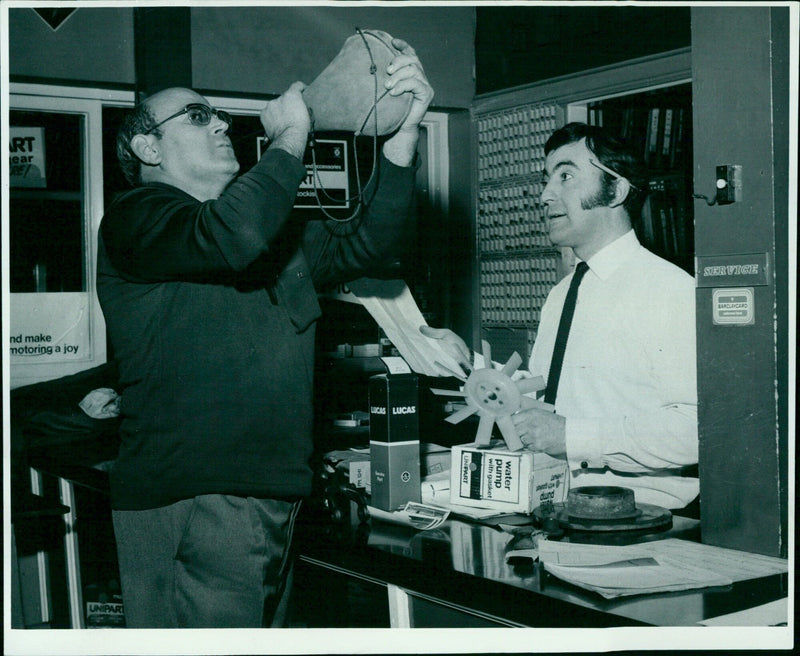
column 733, row 270
column 327, row 184
column 733, row 306
column 26, row 157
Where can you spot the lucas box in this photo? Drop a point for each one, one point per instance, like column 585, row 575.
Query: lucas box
column 508, row 481
column 394, row 441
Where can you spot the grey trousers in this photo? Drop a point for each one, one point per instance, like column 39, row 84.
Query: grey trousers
column 214, row 561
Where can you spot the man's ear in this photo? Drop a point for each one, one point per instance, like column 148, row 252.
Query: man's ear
column 145, row 147
column 622, row 188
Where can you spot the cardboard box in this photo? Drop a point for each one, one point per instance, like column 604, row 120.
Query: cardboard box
column 508, row 481
column 434, row 460
column 358, row 474
column 394, row 440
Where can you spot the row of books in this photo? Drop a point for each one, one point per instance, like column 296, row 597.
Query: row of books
column 666, row 224
column 662, row 134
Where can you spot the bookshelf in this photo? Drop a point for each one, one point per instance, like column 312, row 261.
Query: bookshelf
column 658, row 123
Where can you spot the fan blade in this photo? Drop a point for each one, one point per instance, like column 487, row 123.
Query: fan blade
column 484, row 435
column 511, row 366
column 528, row 403
column 527, row 385
column 510, row 435
column 447, row 392
column 486, row 349
column 462, row 414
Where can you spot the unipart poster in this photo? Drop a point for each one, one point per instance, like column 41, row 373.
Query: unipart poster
column 26, row 157
column 49, row 327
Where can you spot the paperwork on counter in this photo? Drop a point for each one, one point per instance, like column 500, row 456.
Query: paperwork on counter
column 415, row 515
column 658, row 566
column 394, row 309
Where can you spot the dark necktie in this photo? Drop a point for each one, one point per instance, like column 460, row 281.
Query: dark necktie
column 563, row 333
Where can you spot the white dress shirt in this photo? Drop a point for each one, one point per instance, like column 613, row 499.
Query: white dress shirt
column 628, row 385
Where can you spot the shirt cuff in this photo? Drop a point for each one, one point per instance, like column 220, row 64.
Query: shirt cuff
column 585, row 444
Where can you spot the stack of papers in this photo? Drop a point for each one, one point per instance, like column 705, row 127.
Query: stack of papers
column 659, row 566
column 393, row 307
column 413, row 514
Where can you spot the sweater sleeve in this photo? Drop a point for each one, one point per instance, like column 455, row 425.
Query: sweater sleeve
column 158, row 232
column 344, row 251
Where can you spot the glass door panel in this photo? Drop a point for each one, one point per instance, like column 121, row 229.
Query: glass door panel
column 54, row 176
column 46, row 227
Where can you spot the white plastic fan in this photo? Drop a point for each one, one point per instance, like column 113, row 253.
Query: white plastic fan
column 495, row 397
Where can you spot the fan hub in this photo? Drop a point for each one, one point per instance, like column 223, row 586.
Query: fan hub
column 493, row 392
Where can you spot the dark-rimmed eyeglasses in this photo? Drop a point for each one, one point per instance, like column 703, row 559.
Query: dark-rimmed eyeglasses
column 199, row 114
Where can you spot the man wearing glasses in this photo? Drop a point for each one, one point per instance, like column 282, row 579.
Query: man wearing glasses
column 207, row 283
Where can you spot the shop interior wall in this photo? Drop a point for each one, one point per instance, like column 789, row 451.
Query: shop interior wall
column 92, row 46
column 264, row 49
column 516, row 45
column 245, row 50
column 740, row 87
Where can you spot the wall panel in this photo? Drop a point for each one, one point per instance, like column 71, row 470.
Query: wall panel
column 93, row 45
column 262, row 50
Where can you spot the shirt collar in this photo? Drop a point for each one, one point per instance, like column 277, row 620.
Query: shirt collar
column 611, row 257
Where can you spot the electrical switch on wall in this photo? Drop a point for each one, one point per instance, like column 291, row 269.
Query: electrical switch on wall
column 729, row 184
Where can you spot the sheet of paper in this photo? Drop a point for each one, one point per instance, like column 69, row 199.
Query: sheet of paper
column 393, row 307
column 586, row 555
column 738, row 565
column 416, row 515
column 657, row 566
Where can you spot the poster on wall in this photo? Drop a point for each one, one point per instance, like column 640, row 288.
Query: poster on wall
column 26, row 157
column 47, row 328
column 327, row 183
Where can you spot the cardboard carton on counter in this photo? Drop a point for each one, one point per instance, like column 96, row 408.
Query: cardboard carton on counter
column 508, row 481
column 355, row 464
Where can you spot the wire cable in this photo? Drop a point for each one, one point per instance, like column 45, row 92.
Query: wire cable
column 373, row 111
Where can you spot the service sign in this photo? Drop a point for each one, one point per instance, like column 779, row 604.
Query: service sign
column 751, row 269
column 26, row 157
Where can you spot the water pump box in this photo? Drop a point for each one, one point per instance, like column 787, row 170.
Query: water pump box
column 508, row 481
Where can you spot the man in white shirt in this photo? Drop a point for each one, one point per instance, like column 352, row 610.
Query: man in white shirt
column 626, row 401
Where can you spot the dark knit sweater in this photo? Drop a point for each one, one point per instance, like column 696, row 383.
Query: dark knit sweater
column 210, row 310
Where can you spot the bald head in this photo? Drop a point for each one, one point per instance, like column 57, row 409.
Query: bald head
column 161, row 142
column 168, row 101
